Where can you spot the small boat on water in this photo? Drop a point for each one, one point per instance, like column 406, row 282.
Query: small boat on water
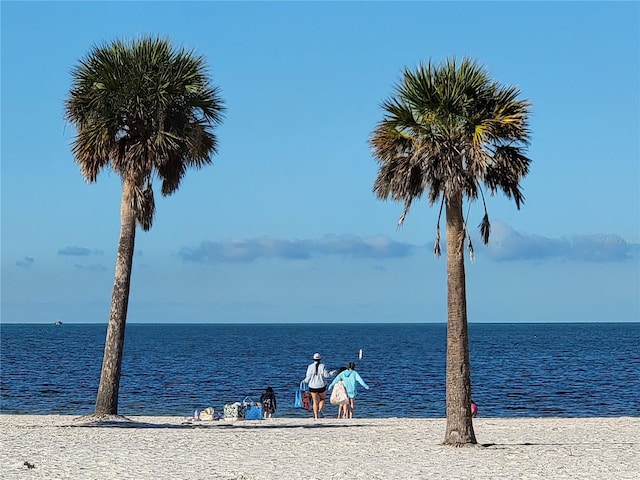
column 58, row 323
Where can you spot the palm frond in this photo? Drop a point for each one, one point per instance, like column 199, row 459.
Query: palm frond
column 508, row 166
column 437, row 251
column 145, row 207
column 485, row 228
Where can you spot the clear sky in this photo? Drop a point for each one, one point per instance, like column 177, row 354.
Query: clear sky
column 284, row 227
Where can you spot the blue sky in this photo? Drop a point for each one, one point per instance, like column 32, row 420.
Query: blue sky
column 284, row 226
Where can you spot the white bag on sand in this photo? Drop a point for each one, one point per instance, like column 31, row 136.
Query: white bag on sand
column 207, row 414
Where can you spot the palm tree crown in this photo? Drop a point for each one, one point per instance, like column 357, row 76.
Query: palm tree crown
column 145, row 110
column 448, row 129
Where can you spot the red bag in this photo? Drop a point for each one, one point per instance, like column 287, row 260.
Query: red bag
column 303, row 397
column 307, row 401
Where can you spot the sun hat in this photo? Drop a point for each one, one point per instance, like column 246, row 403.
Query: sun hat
column 316, row 356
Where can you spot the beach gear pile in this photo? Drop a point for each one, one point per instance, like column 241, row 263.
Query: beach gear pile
column 247, row 409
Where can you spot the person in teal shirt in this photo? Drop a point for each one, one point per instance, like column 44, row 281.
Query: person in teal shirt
column 350, row 378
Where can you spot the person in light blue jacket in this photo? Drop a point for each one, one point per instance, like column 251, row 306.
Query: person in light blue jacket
column 349, row 377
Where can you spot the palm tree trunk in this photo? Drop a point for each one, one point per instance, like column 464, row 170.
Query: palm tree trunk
column 458, row 383
column 108, row 390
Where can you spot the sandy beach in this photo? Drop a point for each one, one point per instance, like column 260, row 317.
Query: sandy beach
column 287, row 448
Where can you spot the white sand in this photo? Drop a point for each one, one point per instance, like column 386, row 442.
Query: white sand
column 170, row 447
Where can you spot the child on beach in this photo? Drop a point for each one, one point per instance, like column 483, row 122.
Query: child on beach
column 343, row 408
column 349, row 377
column 268, row 401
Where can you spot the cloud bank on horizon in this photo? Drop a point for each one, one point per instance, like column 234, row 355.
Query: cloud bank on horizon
column 248, row 250
column 506, row 244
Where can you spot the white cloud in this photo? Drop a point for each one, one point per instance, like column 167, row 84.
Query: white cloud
column 26, row 262
column 508, row 244
column 78, row 251
column 239, row 250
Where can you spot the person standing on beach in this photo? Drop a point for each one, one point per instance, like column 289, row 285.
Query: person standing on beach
column 268, row 401
column 349, row 377
column 343, row 408
column 316, row 378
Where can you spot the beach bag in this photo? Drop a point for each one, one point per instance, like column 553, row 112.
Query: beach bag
column 306, row 400
column 339, row 394
column 252, row 410
column 207, row 414
column 234, row 411
column 303, row 397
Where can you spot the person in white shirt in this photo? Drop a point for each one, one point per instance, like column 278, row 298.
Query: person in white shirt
column 316, row 377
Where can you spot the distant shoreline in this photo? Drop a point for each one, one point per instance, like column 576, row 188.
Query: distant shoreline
column 134, row 418
column 568, row 322
column 152, row 447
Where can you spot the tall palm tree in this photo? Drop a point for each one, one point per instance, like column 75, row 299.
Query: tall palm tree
column 449, row 131
column 146, row 111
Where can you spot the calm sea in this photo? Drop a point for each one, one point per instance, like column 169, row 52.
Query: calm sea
column 518, row 370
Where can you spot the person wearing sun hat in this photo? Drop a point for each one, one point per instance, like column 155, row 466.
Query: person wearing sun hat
column 316, row 377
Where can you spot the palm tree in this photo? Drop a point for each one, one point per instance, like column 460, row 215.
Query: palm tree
column 146, row 111
column 449, row 131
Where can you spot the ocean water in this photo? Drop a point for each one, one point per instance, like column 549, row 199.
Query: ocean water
column 518, row 370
